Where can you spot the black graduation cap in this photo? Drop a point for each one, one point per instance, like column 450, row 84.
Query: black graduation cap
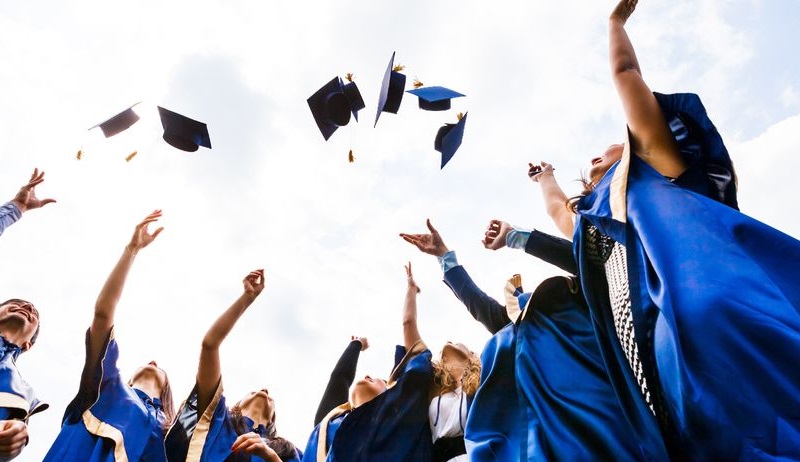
column 119, row 122
column 182, row 132
column 434, row 98
column 448, row 139
column 391, row 91
column 353, row 96
column 332, row 104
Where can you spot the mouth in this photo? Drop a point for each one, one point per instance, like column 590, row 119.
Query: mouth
column 24, row 311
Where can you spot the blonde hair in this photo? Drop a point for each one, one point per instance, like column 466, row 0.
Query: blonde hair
column 443, row 382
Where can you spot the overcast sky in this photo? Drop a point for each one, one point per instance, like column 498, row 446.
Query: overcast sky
column 272, row 193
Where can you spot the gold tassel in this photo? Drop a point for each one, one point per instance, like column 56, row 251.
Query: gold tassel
column 79, row 155
column 349, row 76
column 350, row 157
column 398, row 67
column 131, row 156
column 417, row 83
column 516, row 281
column 460, row 115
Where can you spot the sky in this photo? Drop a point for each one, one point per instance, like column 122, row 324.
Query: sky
column 273, row 194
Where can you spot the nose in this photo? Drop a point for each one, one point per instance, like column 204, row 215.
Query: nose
column 153, row 363
column 265, row 391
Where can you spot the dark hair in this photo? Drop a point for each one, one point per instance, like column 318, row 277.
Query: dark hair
column 167, row 405
column 283, row 447
column 588, row 187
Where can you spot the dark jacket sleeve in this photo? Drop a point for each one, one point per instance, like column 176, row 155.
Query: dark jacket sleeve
column 482, row 307
column 342, row 377
column 553, row 250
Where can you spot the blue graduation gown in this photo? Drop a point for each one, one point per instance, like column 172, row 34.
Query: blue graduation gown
column 209, row 437
column 17, row 399
column 715, row 299
column 544, row 392
column 108, row 420
column 392, row 427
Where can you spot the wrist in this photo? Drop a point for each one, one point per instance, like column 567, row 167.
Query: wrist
column 132, row 249
column 440, row 251
column 19, row 205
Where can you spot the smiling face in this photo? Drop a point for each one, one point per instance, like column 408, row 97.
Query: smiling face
column 19, row 322
column 259, row 406
column 366, row 390
column 601, row 164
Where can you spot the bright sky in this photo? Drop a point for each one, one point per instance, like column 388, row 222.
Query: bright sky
column 272, row 193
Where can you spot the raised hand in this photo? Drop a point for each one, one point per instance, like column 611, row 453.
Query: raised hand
column 623, row 11
column 141, row 236
column 410, row 278
column 251, row 443
column 26, row 197
column 536, row 172
column 363, row 340
column 428, row 243
column 254, row 283
column 13, row 437
column 495, row 236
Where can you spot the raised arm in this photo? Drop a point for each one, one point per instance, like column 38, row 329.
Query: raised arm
column 410, row 329
column 208, row 371
column 546, row 247
column 106, row 304
column 24, row 200
column 342, row 376
column 650, row 135
column 554, row 198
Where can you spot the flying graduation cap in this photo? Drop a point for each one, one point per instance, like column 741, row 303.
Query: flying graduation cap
column 448, row 139
column 392, row 87
column 332, row 105
column 119, row 122
column 434, row 98
column 182, row 132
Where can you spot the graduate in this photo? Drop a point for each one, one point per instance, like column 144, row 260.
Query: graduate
column 206, row 430
column 19, row 329
column 697, row 306
column 382, row 421
column 544, row 393
column 111, row 419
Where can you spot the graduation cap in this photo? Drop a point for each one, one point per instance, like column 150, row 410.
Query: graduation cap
column 118, row 123
column 448, row 139
column 332, row 104
column 182, row 132
column 391, row 91
column 434, row 98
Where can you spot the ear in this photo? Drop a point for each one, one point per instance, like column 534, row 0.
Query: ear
column 26, row 346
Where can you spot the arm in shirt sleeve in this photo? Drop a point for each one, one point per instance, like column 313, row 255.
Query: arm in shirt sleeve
column 548, row 248
column 482, row 307
column 9, row 214
column 342, row 377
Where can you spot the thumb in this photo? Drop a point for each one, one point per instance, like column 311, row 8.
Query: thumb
column 430, row 226
column 47, row 201
column 157, row 232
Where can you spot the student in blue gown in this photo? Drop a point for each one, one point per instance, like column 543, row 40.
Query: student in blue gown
column 19, row 329
column 381, row 421
column 697, row 306
column 206, row 430
column 111, row 419
column 544, row 392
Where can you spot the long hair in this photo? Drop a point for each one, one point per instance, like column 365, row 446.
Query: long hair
column 443, row 382
column 588, row 187
column 167, row 404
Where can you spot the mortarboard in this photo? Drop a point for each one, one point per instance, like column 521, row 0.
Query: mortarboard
column 353, row 96
column 391, row 91
column 330, row 107
column 448, row 139
column 182, row 132
column 434, row 98
column 118, row 123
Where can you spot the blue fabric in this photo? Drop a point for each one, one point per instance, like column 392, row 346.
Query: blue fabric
column 392, row 427
column 448, row 261
column 111, row 400
column 544, row 393
column 517, row 238
column 9, row 214
column 11, row 382
column 310, row 453
column 716, row 295
column 222, row 433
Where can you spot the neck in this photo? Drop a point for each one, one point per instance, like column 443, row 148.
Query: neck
column 9, row 330
column 256, row 414
column 149, row 386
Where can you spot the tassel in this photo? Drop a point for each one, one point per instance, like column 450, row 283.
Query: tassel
column 349, row 76
column 460, row 115
column 417, row 83
column 516, row 281
column 350, row 157
column 398, row 67
column 79, row 155
column 131, row 156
